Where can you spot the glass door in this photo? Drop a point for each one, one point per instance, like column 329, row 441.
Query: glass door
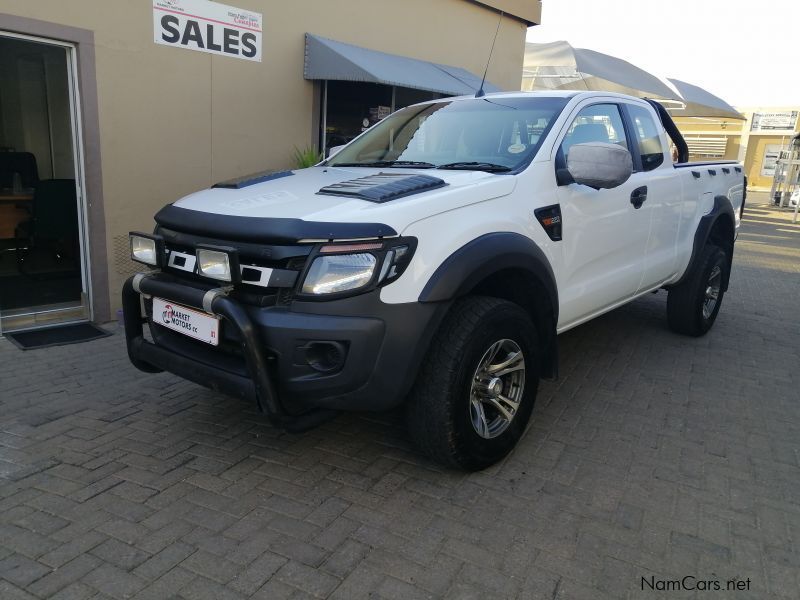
column 43, row 274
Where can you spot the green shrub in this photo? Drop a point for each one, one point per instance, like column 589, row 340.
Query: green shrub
column 306, row 157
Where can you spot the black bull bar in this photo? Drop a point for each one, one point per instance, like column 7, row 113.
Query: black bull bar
column 152, row 358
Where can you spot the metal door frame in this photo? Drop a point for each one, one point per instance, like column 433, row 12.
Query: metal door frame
column 78, row 166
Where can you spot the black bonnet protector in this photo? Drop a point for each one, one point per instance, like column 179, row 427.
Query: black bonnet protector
column 383, row 187
column 252, row 179
column 264, row 229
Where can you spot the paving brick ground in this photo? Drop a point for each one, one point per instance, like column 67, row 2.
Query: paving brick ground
column 653, row 456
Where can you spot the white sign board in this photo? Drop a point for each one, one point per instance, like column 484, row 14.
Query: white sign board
column 771, row 154
column 208, row 27
column 774, row 121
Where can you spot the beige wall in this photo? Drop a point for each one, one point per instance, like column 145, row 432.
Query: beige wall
column 529, row 11
column 728, row 131
column 754, row 159
column 742, row 144
column 754, row 144
column 173, row 121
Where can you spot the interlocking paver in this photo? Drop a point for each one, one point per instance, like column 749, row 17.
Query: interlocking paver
column 21, row 570
column 654, row 455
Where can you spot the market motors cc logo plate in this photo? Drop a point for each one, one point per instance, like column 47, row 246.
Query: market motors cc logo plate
column 195, row 324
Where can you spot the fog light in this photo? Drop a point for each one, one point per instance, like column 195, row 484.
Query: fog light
column 217, row 263
column 325, row 357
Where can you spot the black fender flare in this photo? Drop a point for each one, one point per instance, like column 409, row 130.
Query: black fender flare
column 489, row 254
column 722, row 209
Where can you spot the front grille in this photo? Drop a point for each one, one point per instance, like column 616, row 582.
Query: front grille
column 269, row 274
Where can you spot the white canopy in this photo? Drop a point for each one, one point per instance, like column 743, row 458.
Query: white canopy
column 701, row 103
column 559, row 66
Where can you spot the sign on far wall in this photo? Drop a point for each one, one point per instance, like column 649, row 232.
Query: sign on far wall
column 771, row 154
column 208, row 27
column 774, row 121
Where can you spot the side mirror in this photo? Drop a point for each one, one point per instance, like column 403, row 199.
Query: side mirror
column 333, row 150
column 599, row 165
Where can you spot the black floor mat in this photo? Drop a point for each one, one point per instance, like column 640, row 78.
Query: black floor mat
column 60, row 335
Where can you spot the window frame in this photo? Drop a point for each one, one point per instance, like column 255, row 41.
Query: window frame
column 560, row 161
column 631, row 124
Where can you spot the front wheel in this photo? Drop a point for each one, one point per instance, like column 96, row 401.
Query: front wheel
column 475, row 391
column 693, row 305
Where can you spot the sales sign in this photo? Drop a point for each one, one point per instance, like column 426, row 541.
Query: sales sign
column 208, row 27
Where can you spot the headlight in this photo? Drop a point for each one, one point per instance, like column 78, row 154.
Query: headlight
column 217, row 263
column 339, row 273
column 146, row 249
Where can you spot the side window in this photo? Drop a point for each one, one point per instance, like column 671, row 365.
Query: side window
column 648, row 136
column 595, row 123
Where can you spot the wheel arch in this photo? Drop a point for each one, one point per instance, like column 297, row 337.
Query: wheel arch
column 718, row 226
column 723, row 234
column 509, row 266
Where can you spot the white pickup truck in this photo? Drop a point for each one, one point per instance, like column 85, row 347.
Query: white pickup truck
column 433, row 261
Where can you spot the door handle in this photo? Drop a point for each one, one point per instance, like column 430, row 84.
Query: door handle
column 638, row 196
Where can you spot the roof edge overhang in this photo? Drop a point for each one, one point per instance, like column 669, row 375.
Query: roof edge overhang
column 527, row 11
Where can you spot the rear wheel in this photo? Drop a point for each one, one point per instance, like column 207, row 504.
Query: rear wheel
column 475, row 392
column 692, row 306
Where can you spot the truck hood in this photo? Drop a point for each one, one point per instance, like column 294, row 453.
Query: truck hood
column 296, row 197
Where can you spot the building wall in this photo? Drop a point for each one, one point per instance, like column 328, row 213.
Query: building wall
column 742, row 144
column 754, row 144
column 754, row 159
column 726, row 132
column 174, row 121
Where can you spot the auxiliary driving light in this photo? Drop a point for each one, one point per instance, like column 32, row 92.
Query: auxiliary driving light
column 217, row 262
column 147, row 249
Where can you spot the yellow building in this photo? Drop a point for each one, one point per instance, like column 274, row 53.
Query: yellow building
column 755, row 142
column 110, row 110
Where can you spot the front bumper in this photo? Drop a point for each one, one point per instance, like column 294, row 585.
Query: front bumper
column 263, row 353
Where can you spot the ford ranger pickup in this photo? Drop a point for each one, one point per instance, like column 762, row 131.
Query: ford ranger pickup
column 433, row 261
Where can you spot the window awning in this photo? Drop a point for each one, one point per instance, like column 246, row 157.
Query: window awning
column 329, row 59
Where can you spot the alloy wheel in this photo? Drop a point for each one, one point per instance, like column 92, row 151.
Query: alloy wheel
column 497, row 388
column 712, row 291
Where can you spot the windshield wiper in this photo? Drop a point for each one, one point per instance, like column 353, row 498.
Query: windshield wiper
column 410, row 163
column 476, row 166
column 389, row 163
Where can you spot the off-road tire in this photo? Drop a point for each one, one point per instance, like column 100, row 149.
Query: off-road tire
column 438, row 409
column 685, row 301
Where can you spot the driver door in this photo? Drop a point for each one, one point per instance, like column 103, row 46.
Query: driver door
column 604, row 236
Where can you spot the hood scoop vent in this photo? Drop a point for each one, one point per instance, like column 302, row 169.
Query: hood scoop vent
column 383, row 187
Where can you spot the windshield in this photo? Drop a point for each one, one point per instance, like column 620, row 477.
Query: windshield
column 490, row 134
